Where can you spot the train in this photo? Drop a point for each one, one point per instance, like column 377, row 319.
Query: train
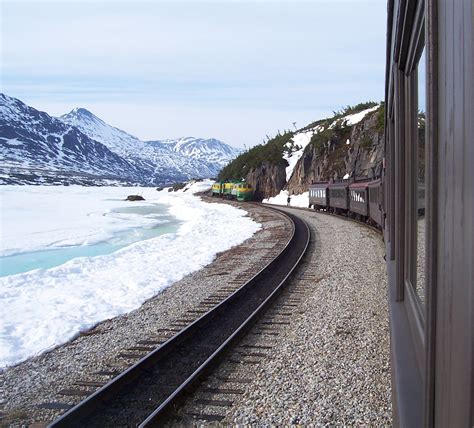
column 361, row 199
column 237, row 189
column 424, row 204
column 427, row 209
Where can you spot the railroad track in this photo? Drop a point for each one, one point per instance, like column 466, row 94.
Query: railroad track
column 345, row 217
column 143, row 394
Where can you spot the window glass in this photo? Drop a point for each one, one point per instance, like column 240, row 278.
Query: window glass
column 420, row 179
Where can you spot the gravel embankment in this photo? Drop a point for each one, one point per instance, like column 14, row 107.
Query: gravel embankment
column 54, row 379
column 320, row 356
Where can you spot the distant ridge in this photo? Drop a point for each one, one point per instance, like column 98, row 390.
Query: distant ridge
column 80, row 148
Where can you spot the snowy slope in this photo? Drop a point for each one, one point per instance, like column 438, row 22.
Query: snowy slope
column 181, row 159
column 56, row 304
column 80, row 148
column 207, row 150
column 295, row 150
column 32, row 142
column 115, row 139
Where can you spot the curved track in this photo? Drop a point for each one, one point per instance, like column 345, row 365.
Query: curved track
column 345, row 217
column 142, row 394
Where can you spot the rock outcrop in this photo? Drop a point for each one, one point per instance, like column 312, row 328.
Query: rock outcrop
column 267, row 179
column 135, row 198
column 349, row 144
column 350, row 151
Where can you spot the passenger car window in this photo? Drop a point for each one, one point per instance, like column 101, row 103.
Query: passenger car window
column 420, row 181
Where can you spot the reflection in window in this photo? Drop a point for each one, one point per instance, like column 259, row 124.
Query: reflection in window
column 421, row 182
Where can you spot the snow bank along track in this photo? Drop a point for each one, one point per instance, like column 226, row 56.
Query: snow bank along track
column 142, row 394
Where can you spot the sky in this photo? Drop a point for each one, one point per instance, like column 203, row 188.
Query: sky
column 233, row 70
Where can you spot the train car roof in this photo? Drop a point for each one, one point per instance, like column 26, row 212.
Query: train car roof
column 374, row 182
column 340, row 185
column 360, row 185
column 320, row 184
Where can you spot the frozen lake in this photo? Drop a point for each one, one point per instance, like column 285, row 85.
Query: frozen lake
column 48, row 258
column 95, row 256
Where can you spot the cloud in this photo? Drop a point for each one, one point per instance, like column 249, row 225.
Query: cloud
column 203, row 58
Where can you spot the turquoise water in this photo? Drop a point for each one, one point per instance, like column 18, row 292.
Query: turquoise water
column 24, row 262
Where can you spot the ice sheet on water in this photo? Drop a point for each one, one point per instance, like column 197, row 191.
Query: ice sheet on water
column 44, row 308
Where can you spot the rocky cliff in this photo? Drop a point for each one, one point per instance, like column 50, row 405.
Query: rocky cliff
column 349, row 144
column 267, row 179
column 349, row 151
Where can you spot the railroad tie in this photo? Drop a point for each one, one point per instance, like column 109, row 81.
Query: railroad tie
column 253, row 354
column 141, row 348
column 211, row 402
column 158, row 379
column 179, row 325
column 75, row 392
column 231, row 391
column 56, row 405
column 205, row 417
column 233, row 380
column 235, row 361
column 107, row 372
column 152, row 342
column 276, row 322
column 88, row 383
column 268, row 327
column 262, row 333
column 130, row 355
column 185, row 320
column 257, row 346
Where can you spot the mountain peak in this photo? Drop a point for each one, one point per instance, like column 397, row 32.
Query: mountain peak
column 33, row 139
column 80, row 111
column 81, row 116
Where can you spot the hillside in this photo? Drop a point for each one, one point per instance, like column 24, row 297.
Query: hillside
column 166, row 160
column 39, row 149
column 80, row 148
column 348, row 144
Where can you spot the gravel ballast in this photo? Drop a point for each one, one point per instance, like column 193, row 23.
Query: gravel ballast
column 33, row 390
column 320, row 355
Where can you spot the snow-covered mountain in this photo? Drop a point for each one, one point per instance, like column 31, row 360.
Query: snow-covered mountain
column 39, row 148
column 180, row 159
column 207, row 150
column 115, row 139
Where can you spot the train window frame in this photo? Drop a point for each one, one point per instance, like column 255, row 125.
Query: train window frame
column 415, row 309
column 406, row 36
column 439, row 389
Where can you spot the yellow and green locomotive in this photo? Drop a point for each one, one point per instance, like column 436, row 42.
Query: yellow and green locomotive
column 240, row 190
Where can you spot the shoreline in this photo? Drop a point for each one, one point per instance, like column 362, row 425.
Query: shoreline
column 56, row 303
column 106, row 346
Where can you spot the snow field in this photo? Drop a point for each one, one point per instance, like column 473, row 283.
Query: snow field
column 301, row 201
column 302, row 140
column 47, row 307
column 353, row 119
column 34, row 218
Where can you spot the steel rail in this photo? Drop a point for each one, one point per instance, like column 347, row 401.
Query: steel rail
column 341, row 216
column 254, row 296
